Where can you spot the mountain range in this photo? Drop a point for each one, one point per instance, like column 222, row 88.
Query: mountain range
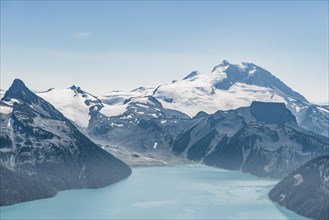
column 238, row 117
column 172, row 108
column 228, row 86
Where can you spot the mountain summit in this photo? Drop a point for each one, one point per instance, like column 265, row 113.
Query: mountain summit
column 252, row 74
column 224, row 63
column 19, row 91
column 231, row 86
column 228, row 86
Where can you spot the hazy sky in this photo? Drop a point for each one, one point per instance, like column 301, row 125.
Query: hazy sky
column 107, row 45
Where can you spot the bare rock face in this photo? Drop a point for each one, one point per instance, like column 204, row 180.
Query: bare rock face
column 271, row 113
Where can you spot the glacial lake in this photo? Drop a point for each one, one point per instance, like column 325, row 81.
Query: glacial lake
column 166, row 192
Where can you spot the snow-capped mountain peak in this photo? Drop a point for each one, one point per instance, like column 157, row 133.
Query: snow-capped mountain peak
column 228, row 86
column 19, row 91
column 78, row 90
column 73, row 87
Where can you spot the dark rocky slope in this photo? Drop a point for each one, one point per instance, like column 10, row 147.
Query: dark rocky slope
column 306, row 190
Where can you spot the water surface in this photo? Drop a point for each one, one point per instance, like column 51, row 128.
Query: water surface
column 168, row 192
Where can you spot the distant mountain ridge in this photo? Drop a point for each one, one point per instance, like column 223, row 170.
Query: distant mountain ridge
column 230, row 86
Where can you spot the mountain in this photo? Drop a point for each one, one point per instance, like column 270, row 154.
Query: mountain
column 73, row 102
column 315, row 118
column 306, row 190
column 128, row 125
column 230, row 86
column 141, row 133
column 42, row 152
column 113, row 119
column 77, row 104
column 263, row 139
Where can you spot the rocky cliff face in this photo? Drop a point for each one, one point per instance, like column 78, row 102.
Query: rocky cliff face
column 43, row 152
column 271, row 113
column 306, row 190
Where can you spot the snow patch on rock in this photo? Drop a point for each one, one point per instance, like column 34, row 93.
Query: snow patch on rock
column 298, row 179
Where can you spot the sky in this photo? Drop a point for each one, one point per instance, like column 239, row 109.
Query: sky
column 120, row 45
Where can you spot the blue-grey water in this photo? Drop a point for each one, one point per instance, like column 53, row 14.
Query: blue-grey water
column 168, row 192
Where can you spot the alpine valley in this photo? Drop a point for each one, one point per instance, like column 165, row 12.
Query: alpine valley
column 237, row 117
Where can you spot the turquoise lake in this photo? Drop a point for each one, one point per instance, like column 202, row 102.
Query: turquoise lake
column 164, row 192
